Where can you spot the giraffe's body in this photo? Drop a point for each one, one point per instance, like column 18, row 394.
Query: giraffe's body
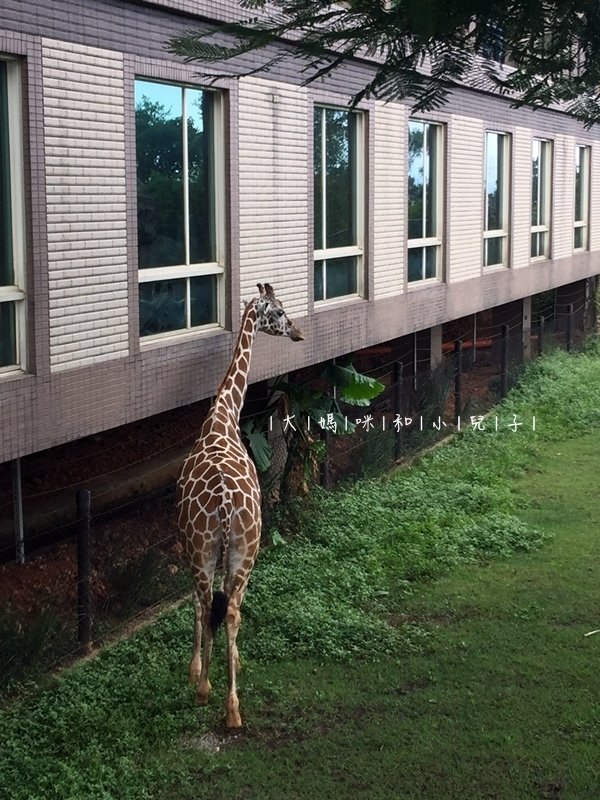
column 218, row 498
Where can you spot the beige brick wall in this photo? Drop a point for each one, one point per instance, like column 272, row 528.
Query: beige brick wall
column 465, row 193
column 274, row 190
column 521, row 197
column 563, row 189
column 390, row 189
column 85, row 189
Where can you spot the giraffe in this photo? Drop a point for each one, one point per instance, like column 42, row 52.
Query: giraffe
column 218, row 498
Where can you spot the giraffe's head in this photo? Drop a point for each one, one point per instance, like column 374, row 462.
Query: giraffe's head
column 272, row 318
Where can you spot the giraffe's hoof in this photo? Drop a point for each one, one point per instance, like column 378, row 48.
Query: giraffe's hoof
column 203, row 694
column 233, row 720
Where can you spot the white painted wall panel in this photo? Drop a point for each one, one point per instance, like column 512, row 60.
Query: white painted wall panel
column 274, row 190
column 390, row 192
column 563, row 190
column 465, row 195
column 521, row 198
column 85, row 190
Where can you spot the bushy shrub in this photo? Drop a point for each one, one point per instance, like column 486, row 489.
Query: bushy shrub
column 321, row 593
column 22, row 642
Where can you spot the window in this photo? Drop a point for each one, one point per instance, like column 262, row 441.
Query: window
column 12, row 251
column 541, row 161
column 338, row 205
column 582, row 190
column 497, row 155
column 179, row 135
column 424, row 200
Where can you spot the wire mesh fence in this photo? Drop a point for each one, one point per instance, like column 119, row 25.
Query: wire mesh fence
column 61, row 600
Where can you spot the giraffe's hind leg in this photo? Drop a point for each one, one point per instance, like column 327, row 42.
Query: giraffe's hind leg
column 204, row 687
column 202, row 651
column 196, row 662
column 203, row 568
column 233, row 620
column 241, row 563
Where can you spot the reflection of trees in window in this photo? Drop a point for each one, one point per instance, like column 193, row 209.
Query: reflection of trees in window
column 423, row 144
column 535, row 182
column 495, row 187
column 494, row 206
column 173, row 172
column 338, row 139
column 160, row 180
column 496, row 198
column 200, row 183
column 424, row 212
column 540, row 197
column 177, row 175
column 9, row 309
column 582, row 182
column 162, row 306
column 6, row 270
column 579, row 185
column 336, row 192
column 416, row 168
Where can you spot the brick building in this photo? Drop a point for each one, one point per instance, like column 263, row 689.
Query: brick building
column 129, row 240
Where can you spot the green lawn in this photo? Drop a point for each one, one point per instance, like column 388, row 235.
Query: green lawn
column 504, row 701
column 419, row 636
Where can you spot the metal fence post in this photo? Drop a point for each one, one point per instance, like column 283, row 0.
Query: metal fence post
column 504, row 363
column 570, row 328
column 540, row 342
column 397, row 378
column 84, row 606
column 325, row 468
column 17, row 486
column 457, row 379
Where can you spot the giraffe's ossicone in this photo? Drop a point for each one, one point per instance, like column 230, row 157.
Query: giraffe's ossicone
column 218, row 498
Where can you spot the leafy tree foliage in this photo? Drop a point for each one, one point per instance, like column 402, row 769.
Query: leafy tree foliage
column 537, row 52
column 302, row 403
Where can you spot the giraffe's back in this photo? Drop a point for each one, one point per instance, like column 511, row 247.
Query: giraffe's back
column 218, row 494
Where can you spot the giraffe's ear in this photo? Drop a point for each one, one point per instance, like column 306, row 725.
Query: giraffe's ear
column 261, row 289
column 269, row 290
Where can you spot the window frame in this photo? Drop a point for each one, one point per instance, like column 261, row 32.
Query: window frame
column 356, row 251
column 584, row 222
column 429, row 241
column 504, row 232
column 15, row 293
column 546, row 181
column 188, row 271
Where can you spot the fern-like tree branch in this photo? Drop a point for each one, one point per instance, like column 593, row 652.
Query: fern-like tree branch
column 537, row 52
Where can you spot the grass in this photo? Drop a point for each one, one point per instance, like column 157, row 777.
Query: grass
column 364, row 677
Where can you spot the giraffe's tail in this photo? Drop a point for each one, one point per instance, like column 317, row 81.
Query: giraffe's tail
column 218, row 610
column 220, row 600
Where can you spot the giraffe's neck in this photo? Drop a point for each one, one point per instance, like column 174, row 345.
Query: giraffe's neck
column 232, row 391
